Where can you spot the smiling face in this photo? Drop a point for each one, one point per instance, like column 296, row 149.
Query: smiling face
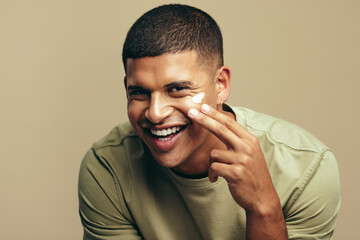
column 160, row 91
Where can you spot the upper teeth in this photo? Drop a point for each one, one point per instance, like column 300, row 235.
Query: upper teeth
column 165, row 132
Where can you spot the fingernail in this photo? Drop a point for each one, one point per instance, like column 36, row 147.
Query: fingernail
column 193, row 112
column 205, row 108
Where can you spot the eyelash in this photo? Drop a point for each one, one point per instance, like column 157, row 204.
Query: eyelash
column 138, row 92
column 176, row 89
column 141, row 94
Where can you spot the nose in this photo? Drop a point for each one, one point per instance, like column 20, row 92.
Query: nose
column 159, row 108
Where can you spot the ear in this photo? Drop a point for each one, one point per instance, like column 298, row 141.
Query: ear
column 223, row 84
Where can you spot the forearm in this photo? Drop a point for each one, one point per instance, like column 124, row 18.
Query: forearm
column 266, row 224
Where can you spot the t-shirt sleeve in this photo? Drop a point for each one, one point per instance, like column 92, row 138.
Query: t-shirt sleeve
column 313, row 214
column 102, row 212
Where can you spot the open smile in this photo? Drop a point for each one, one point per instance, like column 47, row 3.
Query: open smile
column 166, row 133
column 166, row 139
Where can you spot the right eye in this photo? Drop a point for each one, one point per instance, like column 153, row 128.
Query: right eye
column 138, row 94
column 175, row 89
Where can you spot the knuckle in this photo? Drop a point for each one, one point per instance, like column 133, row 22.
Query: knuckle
column 253, row 139
column 221, row 129
column 237, row 173
column 212, row 113
column 246, row 161
column 229, row 122
column 249, row 150
column 252, row 151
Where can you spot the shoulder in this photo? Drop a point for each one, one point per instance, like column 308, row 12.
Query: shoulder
column 119, row 145
column 116, row 137
column 293, row 155
column 113, row 155
column 105, row 181
column 108, row 166
column 278, row 131
column 303, row 169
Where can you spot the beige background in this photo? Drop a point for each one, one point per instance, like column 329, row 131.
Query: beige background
column 61, row 89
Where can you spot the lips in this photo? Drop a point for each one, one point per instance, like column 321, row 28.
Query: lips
column 166, row 139
column 165, row 134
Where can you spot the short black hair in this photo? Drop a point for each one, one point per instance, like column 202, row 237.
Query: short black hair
column 174, row 28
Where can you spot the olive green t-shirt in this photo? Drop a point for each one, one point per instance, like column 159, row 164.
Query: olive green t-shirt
column 125, row 194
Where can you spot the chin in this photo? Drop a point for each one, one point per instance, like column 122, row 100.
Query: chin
column 168, row 160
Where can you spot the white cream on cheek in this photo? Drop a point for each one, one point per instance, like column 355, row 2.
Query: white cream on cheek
column 198, row 97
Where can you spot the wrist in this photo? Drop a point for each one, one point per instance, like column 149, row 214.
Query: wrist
column 269, row 209
column 266, row 221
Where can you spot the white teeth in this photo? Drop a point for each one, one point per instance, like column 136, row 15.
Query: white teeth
column 165, row 132
column 164, row 139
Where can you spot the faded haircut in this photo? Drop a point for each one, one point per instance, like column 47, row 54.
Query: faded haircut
column 172, row 29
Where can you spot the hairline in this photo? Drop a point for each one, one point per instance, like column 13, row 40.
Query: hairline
column 202, row 61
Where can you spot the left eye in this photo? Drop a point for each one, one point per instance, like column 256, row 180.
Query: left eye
column 176, row 89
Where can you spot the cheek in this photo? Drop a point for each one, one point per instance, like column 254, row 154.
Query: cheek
column 185, row 104
column 135, row 110
column 210, row 101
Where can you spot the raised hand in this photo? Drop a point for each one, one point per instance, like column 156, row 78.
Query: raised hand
column 243, row 166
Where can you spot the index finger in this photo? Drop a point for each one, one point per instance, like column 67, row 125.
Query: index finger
column 221, row 131
column 227, row 120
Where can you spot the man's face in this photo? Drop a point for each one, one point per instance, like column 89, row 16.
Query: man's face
column 159, row 91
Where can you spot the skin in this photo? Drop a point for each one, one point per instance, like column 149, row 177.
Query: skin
column 159, row 91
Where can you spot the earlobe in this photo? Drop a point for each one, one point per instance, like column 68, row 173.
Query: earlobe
column 223, row 84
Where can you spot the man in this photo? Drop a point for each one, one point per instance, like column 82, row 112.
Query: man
column 186, row 168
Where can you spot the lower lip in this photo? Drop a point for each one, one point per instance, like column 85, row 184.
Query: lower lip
column 167, row 145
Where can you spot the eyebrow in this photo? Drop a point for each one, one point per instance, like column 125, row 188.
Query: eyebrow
column 135, row 87
column 180, row 83
column 183, row 83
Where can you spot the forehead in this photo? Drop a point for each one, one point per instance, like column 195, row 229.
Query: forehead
column 166, row 67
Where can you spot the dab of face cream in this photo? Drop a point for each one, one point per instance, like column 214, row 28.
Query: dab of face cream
column 198, row 97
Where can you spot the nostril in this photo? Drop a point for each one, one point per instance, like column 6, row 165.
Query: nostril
column 157, row 112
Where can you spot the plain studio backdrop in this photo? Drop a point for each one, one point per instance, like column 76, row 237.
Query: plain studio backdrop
column 61, row 89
